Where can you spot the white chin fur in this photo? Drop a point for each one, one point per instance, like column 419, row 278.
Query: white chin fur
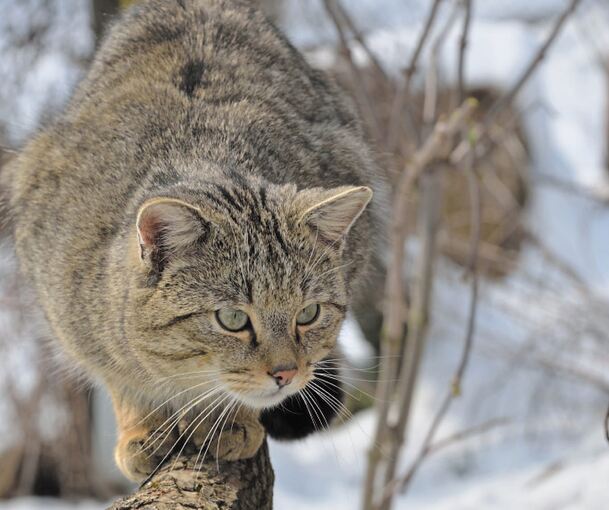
column 262, row 401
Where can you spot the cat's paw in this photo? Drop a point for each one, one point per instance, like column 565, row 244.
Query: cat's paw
column 239, row 440
column 139, row 451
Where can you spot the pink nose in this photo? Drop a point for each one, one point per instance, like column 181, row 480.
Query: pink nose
column 283, row 375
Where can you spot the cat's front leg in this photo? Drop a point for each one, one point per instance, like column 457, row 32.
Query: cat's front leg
column 145, row 439
column 239, row 436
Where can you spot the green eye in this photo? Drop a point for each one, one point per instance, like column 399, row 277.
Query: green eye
column 232, row 319
column 308, row 314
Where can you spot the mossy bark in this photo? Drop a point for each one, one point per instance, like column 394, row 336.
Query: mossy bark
column 241, row 485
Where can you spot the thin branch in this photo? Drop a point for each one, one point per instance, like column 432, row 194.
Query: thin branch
column 509, row 96
column 363, row 99
column 402, row 96
column 462, row 48
column 430, row 104
column 418, row 316
column 455, row 390
column 571, row 188
column 555, row 260
column 436, row 147
column 468, row 433
column 357, row 34
column 607, row 424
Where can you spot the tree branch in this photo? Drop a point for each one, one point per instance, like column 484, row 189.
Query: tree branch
column 509, row 96
column 363, row 99
column 402, row 96
column 455, row 389
column 241, row 485
column 435, row 148
column 462, row 48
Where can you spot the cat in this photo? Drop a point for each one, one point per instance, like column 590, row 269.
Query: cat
column 196, row 225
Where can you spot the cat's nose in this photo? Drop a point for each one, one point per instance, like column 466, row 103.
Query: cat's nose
column 283, row 374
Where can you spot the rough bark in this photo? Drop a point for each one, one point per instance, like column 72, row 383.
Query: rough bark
column 242, row 485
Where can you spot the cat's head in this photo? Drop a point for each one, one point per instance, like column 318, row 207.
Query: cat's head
column 240, row 290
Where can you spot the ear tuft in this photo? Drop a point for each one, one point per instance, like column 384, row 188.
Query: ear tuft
column 335, row 211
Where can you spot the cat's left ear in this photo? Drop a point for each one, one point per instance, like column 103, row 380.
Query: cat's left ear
column 333, row 212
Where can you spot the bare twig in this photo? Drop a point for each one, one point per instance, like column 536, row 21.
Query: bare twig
column 571, row 188
column 363, row 99
column 436, row 147
column 468, row 433
column 509, row 96
column 418, row 319
column 555, row 260
column 607, row 424
column 450, row 440
column 467, row 4
column 422, row 285
column 455, row 389
column 430, row 104
column 402, row 96
column 357, row 34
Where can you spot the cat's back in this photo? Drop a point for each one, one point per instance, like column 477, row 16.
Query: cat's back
column 177, row 87
column 203, row 80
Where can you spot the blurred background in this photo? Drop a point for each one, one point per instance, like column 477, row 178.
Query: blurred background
column 526, row 424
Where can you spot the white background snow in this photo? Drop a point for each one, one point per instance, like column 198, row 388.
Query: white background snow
column 552, row 454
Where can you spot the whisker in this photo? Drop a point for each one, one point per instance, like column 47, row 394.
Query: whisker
column 305, row 400
column 235, row 416
column 170, row 451
column 332, row 401
column 196, row 372
column 233, row 405
column 338, row 407
column 347, row 360
column 306, row 270
column 176, row 416
column 210, row 434
column 325, row 420
column 328, row 271
column 167, row 401
column 197, row 422
column 327, row 378
column 322, row 378
column 375, row 444
column 315, row 405
column 174, row 423
column 360, row 379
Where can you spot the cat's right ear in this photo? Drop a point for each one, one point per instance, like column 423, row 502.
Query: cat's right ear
column 167, row 227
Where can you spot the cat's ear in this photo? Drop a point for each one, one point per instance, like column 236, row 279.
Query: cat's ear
column 167, row 227
column 333, row 212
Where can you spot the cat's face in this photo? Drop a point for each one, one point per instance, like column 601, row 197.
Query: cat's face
column 242, row 305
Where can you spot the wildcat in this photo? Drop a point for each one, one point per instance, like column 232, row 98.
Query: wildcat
column 196, row 225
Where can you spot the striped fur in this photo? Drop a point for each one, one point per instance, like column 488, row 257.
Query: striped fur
column 202, row 105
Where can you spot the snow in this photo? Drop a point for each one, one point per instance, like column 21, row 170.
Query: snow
column 551, row 452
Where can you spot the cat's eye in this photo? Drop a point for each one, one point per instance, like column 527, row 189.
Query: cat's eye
column 232, row 319
column 307, row 315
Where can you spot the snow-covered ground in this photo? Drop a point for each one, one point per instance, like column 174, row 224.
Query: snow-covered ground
column 551, row 453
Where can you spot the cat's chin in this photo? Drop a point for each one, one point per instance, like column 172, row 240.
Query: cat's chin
column 264, row 400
